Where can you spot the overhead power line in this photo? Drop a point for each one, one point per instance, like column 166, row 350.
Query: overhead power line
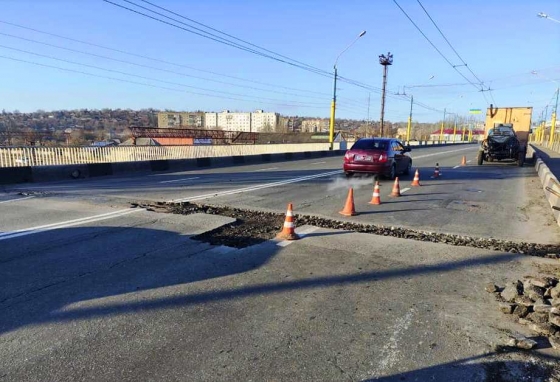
column 152, row 67
column 436, row 48
column 157, row 60
column 259, row 99
column 213, row 37
column 450, row 45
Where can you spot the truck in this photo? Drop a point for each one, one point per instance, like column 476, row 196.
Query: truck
column 506, row 134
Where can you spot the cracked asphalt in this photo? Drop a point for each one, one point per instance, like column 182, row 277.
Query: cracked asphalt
column 94, row 290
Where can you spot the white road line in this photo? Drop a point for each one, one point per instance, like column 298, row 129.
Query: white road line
column 66, row 224
column 16, row 200
column 469, row 161
column 405, row 190
column 318, row 162
column 303, row 233
column 443, row 152
column 255, row 188
column 179, row 180
column 457, row 166
column 266, row 169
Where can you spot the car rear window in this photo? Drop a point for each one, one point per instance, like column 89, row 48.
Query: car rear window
column 370, row 144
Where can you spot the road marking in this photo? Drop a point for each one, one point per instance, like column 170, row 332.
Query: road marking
column 16, row 200
column 303, row 233
column 443, row 152
column 319, row 163
column 255, row 188
column 266, row 169
column 66, row 224
column 405, row 190
column 457, row 166
column 390, row 353
column 469, row 161
column 179, row 180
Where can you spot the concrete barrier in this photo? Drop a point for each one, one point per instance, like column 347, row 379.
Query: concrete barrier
column 547, row 179
column 13, row 175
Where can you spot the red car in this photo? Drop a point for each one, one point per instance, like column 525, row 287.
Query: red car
column 380, row 156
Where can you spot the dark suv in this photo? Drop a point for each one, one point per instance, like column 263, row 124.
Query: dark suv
column 382, row 156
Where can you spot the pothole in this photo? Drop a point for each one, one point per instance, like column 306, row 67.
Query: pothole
column 253, row 227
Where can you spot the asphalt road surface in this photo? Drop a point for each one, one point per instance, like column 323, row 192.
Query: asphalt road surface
column 91, row 289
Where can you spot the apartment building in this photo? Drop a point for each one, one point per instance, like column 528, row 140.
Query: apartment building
column 257, row 121
column 317, row 125
column 175, row 120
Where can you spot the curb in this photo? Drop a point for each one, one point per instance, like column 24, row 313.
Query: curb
column 548, row 180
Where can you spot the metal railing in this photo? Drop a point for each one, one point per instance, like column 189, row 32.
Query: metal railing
column 52, row 156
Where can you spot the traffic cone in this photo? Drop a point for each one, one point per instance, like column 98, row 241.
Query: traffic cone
column 464, row 161
column 376, row 199
column 416, row 180
column 288, row 232
column 396, row 189
column 349, row 209
column 436, row 171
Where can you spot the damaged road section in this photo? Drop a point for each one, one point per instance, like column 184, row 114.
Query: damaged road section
column 253, row 227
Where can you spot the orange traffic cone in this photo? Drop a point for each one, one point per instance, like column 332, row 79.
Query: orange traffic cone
column 349, row 209
column 288, row 232
column 464, row 161
column 416, row 180
column 436, row 171
column 396, row 188
column 375, row 199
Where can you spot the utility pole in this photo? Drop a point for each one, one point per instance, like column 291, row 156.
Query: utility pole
column 409, row 127
column 368, row 103
column 385, row 61
column 455, row 129
column 553, row 117
column 442, row 125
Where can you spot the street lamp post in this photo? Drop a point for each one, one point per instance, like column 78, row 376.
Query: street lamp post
column 333, row 103
column 555, row 111
column 384, row 61
column 442, row 126
column 409, row 126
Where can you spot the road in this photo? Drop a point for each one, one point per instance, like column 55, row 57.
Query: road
column 92, row 289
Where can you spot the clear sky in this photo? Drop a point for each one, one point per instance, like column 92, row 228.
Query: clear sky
column 502, row 41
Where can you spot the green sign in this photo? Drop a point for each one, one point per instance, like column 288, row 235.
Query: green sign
column 475, row 111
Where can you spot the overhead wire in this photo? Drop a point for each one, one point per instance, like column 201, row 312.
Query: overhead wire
column 155, row 86
column 215, row 38
column 435, row 47
column 152, row 67
column 156, row 59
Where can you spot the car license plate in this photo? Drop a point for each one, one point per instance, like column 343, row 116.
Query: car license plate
column 364, row 158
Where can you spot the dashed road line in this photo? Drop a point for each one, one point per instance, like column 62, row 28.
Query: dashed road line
column 179, row 180
column 66, row 224
column 302, row 233
column 255, row 188
column 457, row 166
column 266, row 169
column 16, row 200
column 405, row 190
column 318, row 162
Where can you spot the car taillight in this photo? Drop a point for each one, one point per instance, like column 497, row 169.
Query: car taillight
column 348, row 157
column 382, row 158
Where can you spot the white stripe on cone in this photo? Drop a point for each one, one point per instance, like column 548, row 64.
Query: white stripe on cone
column 288, row 225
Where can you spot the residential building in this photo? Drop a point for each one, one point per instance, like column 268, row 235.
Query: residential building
column 317, row 125
column 261, row 121
column 234, row 121
column 185, row 119
column 211, row 120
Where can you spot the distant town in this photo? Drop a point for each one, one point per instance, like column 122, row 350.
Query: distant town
column 86, row 127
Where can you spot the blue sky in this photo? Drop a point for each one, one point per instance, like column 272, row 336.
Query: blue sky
column 501, row 41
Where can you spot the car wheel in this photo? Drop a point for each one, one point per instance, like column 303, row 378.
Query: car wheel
column 480, row 158
column 408, row 168
column 393, row 174
column 349, row 174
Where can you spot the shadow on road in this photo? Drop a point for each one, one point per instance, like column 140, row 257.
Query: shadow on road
column 40, row 282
